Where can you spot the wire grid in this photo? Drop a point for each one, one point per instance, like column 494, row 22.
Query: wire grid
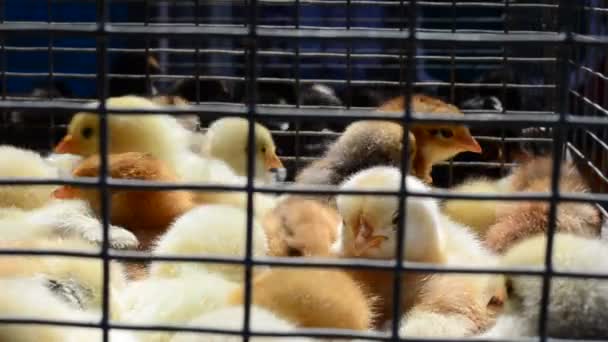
column 577, row 116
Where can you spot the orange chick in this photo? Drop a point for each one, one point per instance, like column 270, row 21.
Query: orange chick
column 312, row 298
column 434, row 142
column 301, row 227
column 145, row 213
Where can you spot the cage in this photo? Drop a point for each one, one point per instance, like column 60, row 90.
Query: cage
column 528, row 76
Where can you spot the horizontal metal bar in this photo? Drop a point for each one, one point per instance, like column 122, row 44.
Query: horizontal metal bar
column 265, row 31
column 113, row 183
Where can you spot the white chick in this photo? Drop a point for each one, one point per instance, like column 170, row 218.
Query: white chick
column 173, row 300
column 370, row 231
column 78, row 281
column 27, row 211
column 231, row 319
column 209, row 230
column 17, row 162
column 577, row 307
column 64, row 218
column 227, row 140
column 370, row 222
column 42, row 303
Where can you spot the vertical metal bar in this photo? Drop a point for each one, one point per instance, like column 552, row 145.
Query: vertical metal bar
column 297, row 75
column 102, row 91
column 349, row 62
column 51, row 77
column 407, row 118
column 197, row 55
column 566, row 9
column 452, row 87
column 148, row 87
column 503, row 93
column 252, row 45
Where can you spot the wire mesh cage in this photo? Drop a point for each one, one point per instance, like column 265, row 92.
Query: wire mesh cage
column 528, row 75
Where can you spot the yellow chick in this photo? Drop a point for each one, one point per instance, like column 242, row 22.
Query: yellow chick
column 577, row 307
column 370, row 231
column 477, row 214
column 301, row 227
column 312, row 298
column 227, row 140
column 209, row 230
column 161, row 135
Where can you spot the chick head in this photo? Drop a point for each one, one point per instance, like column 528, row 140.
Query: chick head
column 125, row 132
column 228, row 141
column 441, row 142
column 371, row 222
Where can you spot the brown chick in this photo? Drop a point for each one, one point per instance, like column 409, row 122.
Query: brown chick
column 312, row 298
column 145, row 213
column 363, row 144
column 434, row 142
column 522, row 219
column 301, row 227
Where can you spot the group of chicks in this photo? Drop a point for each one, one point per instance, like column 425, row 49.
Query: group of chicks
column 212, row 223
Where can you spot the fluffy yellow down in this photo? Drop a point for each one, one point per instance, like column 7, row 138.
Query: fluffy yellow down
column 208, row 230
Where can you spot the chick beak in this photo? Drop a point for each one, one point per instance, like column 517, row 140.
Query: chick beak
column 364, row 238
column 65, row 192
column 67, row 145
column 469, row 144
column 272, row 161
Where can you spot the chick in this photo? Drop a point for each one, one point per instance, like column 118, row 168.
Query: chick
column 370, row 231
column 145, row 213
column 231, row 319
column 28, row 211
column 173, row 300
column 312, row 298
column 42, row 303
column 61, row 218
column 577, row 307
column 161, row 135
column 435, row 143
column 227, row 140
column 454, row 305
column 77, row 281
column 17, row 162
column 516, row 220
column 477, row 214
column 204, row 231
column 301, row 227
column 363, row 144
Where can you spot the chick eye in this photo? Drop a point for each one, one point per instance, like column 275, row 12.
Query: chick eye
column 87, row 132
column 292, row 252
column 441, row 133
column 396, row 220
column 446, row 133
